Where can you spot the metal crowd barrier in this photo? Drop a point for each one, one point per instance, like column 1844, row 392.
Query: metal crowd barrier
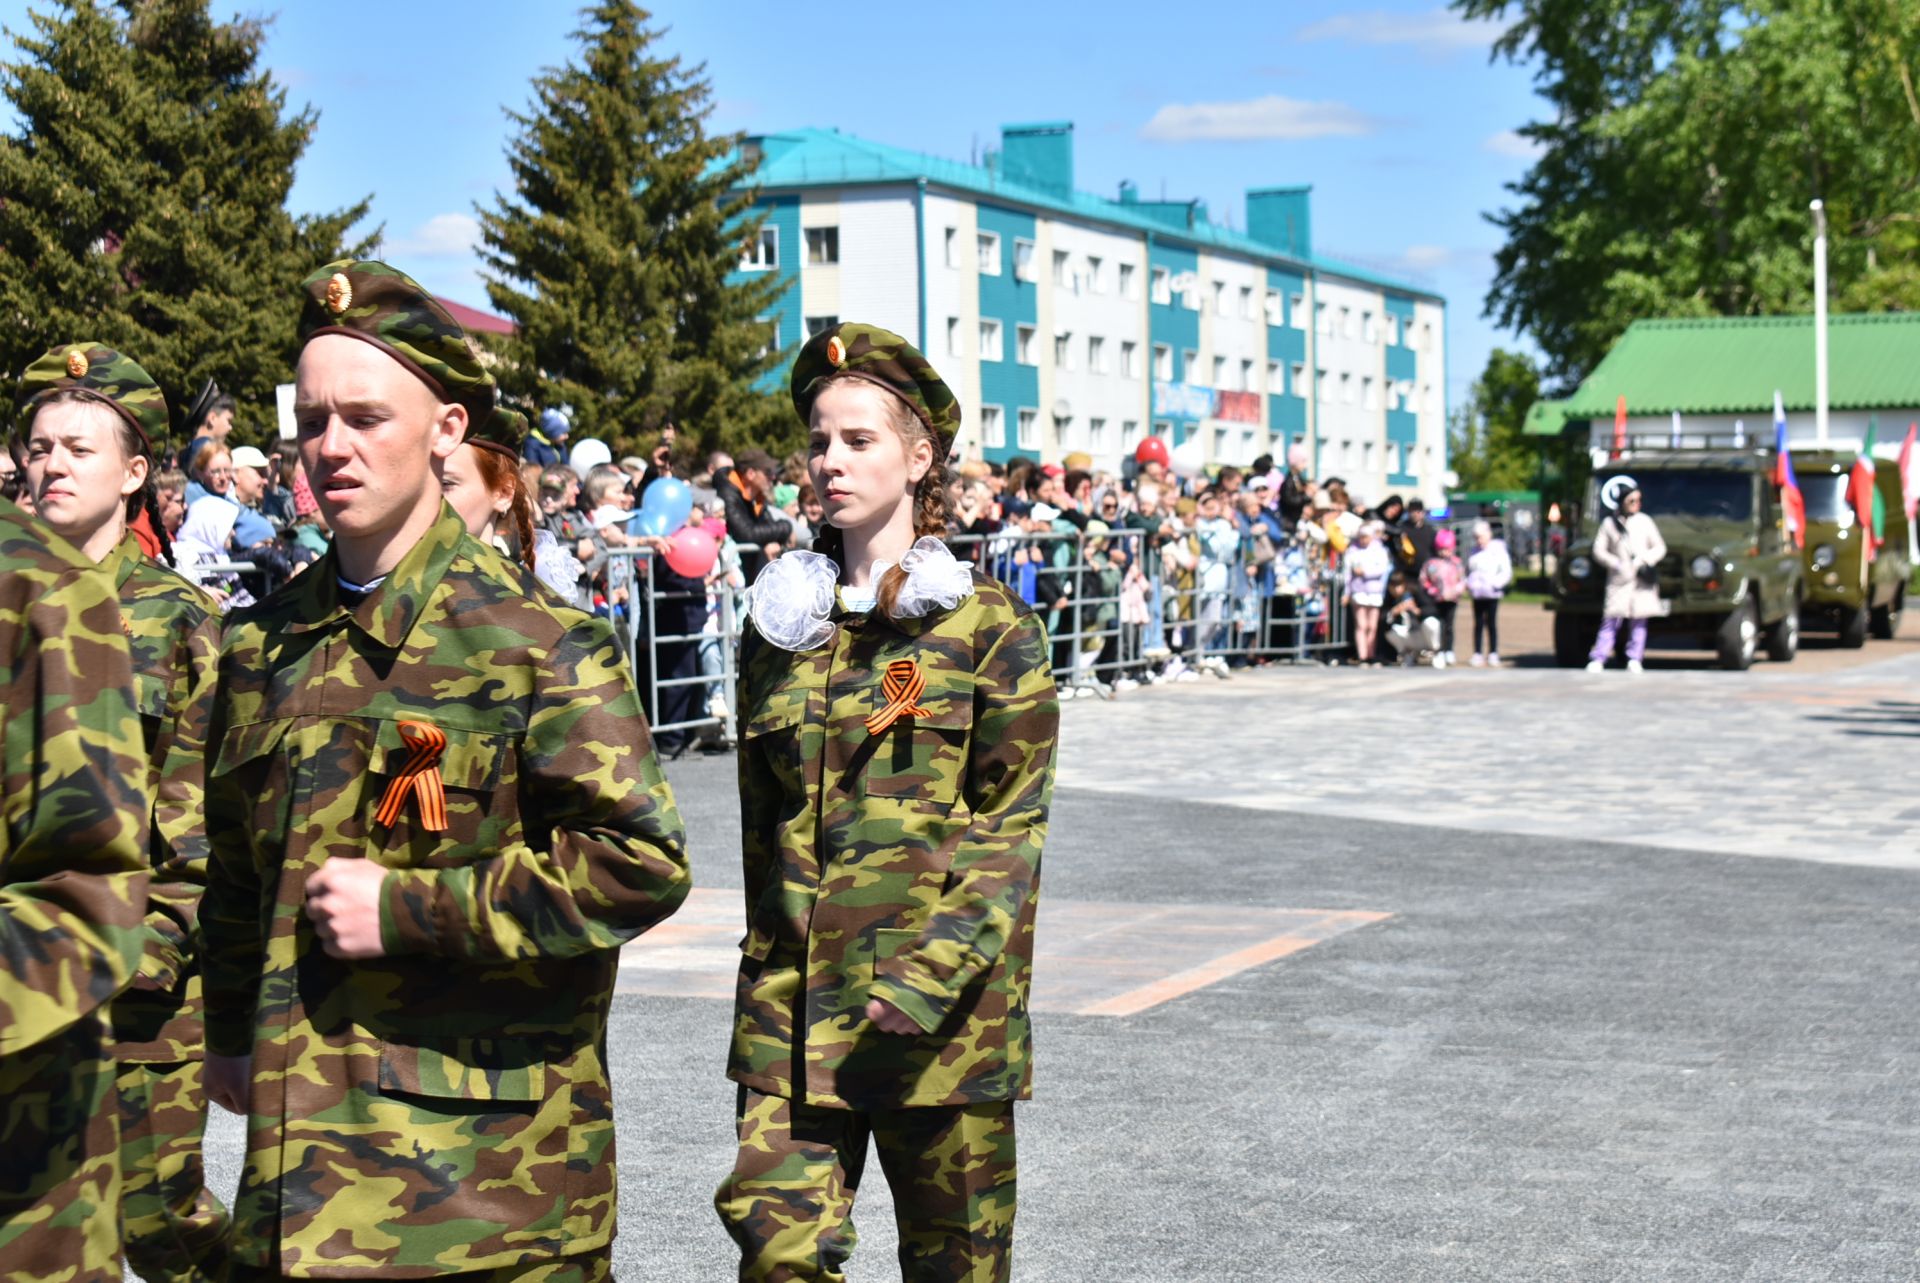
column 1114, row 608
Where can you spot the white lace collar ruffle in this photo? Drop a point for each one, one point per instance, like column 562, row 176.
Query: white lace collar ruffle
column 791, row 601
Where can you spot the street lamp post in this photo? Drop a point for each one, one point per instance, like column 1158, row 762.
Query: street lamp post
column 1819, row 322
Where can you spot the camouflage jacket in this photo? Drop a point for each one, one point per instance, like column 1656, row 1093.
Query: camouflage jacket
column 903, row 865
column 73, row 887
column 174, row 634
column 446, row 1107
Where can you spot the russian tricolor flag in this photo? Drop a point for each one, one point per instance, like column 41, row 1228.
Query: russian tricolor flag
column 1793, row 504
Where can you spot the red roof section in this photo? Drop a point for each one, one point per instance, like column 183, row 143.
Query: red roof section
column 472, row 318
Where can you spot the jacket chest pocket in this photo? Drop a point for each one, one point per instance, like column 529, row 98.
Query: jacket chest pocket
column 922, row 756
column 771, row 732
column 244, row 767
column 472, row 813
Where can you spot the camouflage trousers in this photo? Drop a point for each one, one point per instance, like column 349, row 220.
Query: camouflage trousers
column 174, row 1226
column 59, row 1178
column 788, row 1202
column 583, row 1267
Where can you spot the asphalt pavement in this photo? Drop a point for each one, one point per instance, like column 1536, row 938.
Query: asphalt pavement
column 1552, row 1057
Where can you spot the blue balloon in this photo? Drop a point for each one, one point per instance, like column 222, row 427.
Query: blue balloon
column 650, row 521
column 671, row 497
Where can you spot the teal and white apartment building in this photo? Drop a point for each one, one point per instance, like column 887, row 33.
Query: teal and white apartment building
column 1069, row 322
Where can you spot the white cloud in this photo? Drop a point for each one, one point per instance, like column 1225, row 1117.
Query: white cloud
column 1436, row 31
column 1258, row 118
column 442, row 236
column 1426, row 258
column 1513, row 145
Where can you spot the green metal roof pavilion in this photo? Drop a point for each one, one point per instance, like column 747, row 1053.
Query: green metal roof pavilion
column 1732, row 365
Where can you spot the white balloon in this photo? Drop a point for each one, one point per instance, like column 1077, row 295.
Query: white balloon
column 588, row 454
column 1189, row 460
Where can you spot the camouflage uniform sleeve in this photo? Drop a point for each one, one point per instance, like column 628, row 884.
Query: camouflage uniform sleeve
column 179, row 812
column 232, row 946
column 997, row 864
column 76, row 806
column 615, row 862
column 760, row 793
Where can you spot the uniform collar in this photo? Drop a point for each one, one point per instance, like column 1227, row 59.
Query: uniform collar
column 389, row 612
column 126, row 557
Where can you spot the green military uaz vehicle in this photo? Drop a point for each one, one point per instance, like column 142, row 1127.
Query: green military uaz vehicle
column 1731, row 580
column 1846, row 592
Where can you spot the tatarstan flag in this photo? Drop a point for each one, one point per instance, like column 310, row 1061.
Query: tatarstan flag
column 1864, row 496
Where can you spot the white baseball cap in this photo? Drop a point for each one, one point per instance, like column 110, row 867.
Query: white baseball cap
column 247, row 456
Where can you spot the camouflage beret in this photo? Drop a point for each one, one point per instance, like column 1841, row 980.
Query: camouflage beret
column 503, row 429
column 884, row 359
column 101, row 374
column 389, row 309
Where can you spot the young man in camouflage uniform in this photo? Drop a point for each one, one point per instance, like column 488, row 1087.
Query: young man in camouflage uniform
column 435, row 816
column 74, row 803
column 90, row 418
column 896, row 765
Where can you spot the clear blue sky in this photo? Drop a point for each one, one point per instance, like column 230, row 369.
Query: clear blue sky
column 1394, row 114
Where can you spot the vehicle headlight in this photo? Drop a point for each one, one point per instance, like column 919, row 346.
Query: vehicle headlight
column 1701, row 567
column 1580, row 567
column 1824, row 556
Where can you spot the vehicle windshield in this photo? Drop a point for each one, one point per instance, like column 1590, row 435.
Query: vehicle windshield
column 1721, row 496
column 1826, row 496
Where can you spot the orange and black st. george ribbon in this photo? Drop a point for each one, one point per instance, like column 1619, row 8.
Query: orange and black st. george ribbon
column 419, row 776
column 903, row 684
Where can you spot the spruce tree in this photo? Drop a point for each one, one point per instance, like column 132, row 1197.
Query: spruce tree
column 146, row 199
column 616, row 255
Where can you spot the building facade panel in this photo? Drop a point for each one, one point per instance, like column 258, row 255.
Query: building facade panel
column 1008, row 301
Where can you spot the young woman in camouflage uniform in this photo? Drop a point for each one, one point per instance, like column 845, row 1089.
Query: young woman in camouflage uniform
column 91, row 418
column 898, row 723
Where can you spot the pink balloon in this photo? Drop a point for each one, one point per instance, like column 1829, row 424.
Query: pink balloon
column 691, row 552
column 715, row 526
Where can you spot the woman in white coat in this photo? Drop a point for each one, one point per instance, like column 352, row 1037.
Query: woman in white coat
column 1629, row 546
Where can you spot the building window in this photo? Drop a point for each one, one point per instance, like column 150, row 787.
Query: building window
column 993, row 427
column 1129, row 284
column 1321, row 324
column 1299, row 373
column 1367, row 396
column 1023, row 260
column 1297, row 310
column 953, row 247
column 1246, row 376
column 1163, row 430
column 1063, row 350
column 1346, row 389
column 1219, row 443
column 990, row 341
column 1096, row 354
column 1094, row 272
column 1276, row 378
column 1275, row 316
column 953, row 337
column 1246, row 443
column 1129, row 434
column 1346, row 323
column 1063, row 432
column 1426, row 336
column 1393, row 330
column 823, row 245
column 1219, row 298
column 1189, row 365
column 1162, row 286
column 1246, row 302
column 1028, row 430
column 820, row 324
column 1220, row 373
column 1060, row 268
column 1366, row 456
column 988, row 244
column 1163, row 362
column 763, row 252
column 1023, row 345
column 1129, row 359
column 1367, row 331
column 1097, row 435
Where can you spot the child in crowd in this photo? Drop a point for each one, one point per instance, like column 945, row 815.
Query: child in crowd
column 1412, row 630
column 1443, row 578
column 1489, row 571
column 1367, row 565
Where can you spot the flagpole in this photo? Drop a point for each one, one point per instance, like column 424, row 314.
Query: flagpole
column 1819, row 323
